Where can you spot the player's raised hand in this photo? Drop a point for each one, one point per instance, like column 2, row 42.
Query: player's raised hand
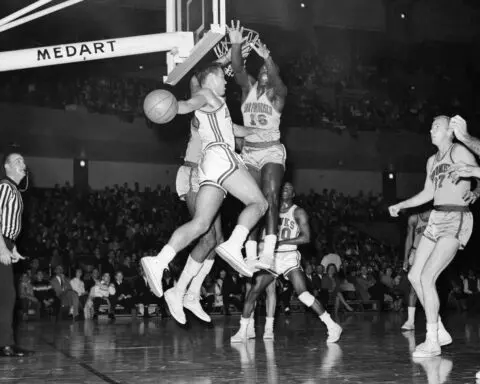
column 470, row 197
column 459, row 126
column 235, row 32
column 261, row 49
column 394, row 210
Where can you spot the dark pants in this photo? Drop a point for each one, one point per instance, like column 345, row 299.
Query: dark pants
column 7, row 301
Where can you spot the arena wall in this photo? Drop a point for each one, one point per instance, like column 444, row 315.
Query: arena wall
column 119, row 151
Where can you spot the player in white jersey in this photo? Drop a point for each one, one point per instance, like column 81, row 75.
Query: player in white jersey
column 187, row 188
column 449, row 227
column 263, row 101
column 220, row 170
column 294, row 230
column 459, row 171
column 417, row 223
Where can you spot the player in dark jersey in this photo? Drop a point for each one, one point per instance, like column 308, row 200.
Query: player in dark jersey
column 449, row 228
column 417, row 223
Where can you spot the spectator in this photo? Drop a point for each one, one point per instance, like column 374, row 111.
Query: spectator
column 29, row 303
column 123, row 293
column 63, row 290
column 101, row 294
column 232, row 292
column 44, row 293
column 79, row 287
column 332, row 258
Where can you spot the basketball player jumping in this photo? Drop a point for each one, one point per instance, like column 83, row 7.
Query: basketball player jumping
column 263, row 153
column 416, row 226
column 449, row 228
column 220, row 170
column 294, row 230
column 200, row 261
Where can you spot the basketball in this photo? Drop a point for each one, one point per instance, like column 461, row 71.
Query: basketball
column 160, row 106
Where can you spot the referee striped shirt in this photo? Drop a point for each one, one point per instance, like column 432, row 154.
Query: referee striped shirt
column 11, row 207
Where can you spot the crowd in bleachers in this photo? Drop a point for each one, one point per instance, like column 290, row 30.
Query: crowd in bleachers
column 84, row 252
column 325, row 91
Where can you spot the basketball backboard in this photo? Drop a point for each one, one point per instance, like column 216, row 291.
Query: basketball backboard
column 206, row 20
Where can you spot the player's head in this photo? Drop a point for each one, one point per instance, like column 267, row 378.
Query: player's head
column 288, row 192
column 441, row 131
column 263, row 75
column 14, row 165
column 212, row 77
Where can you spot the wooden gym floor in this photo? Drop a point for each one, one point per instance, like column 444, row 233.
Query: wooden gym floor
column 132, row 351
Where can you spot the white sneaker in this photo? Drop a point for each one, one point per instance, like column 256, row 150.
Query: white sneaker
column 427, row 349
column 233, row 256
column 266, row 263
column 251, row 263
column 268, row 334
column 192, row 303
column 334, row 333
column 444, row 337
column 478, row 375
column 174, row 300
column 153, row 267
column 408, row 326
column 251, row 330
column 240, row 336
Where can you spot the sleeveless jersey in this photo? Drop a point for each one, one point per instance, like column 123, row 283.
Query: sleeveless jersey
column 288, row 229
column 447, row 192
column 194, row 146
column 216, row 127
column 422, row 222
column 259, row 113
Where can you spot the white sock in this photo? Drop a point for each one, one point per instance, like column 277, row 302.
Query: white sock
column 244, row 323
column 252, row 320
column 411, row 315
column 327, row 319
column 239, row 235
column 197, row 281
column 167, row 254
column 251, row 249
column 269, row 322
column 191, row 270
column 270, row 242
column 432, row 332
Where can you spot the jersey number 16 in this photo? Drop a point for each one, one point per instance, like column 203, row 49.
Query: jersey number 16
column 260, row 120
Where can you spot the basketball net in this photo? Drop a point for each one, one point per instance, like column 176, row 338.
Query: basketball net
column 225, row 47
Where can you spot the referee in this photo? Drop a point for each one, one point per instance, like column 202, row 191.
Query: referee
column 11, row 208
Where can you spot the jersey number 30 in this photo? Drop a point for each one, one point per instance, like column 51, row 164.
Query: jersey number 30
column 260, row 120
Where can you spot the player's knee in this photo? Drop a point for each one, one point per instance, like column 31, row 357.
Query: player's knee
column 200, row 226
column 426, row 280
column 262, row 205
column 306, row 298
column 414, row 278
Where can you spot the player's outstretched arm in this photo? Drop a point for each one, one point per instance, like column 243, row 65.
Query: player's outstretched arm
column 242, row 78
column 203, row 98
column 303, row 237
column 275, row 81
column 421, row 198
column 241, row 131
column 459, row 126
